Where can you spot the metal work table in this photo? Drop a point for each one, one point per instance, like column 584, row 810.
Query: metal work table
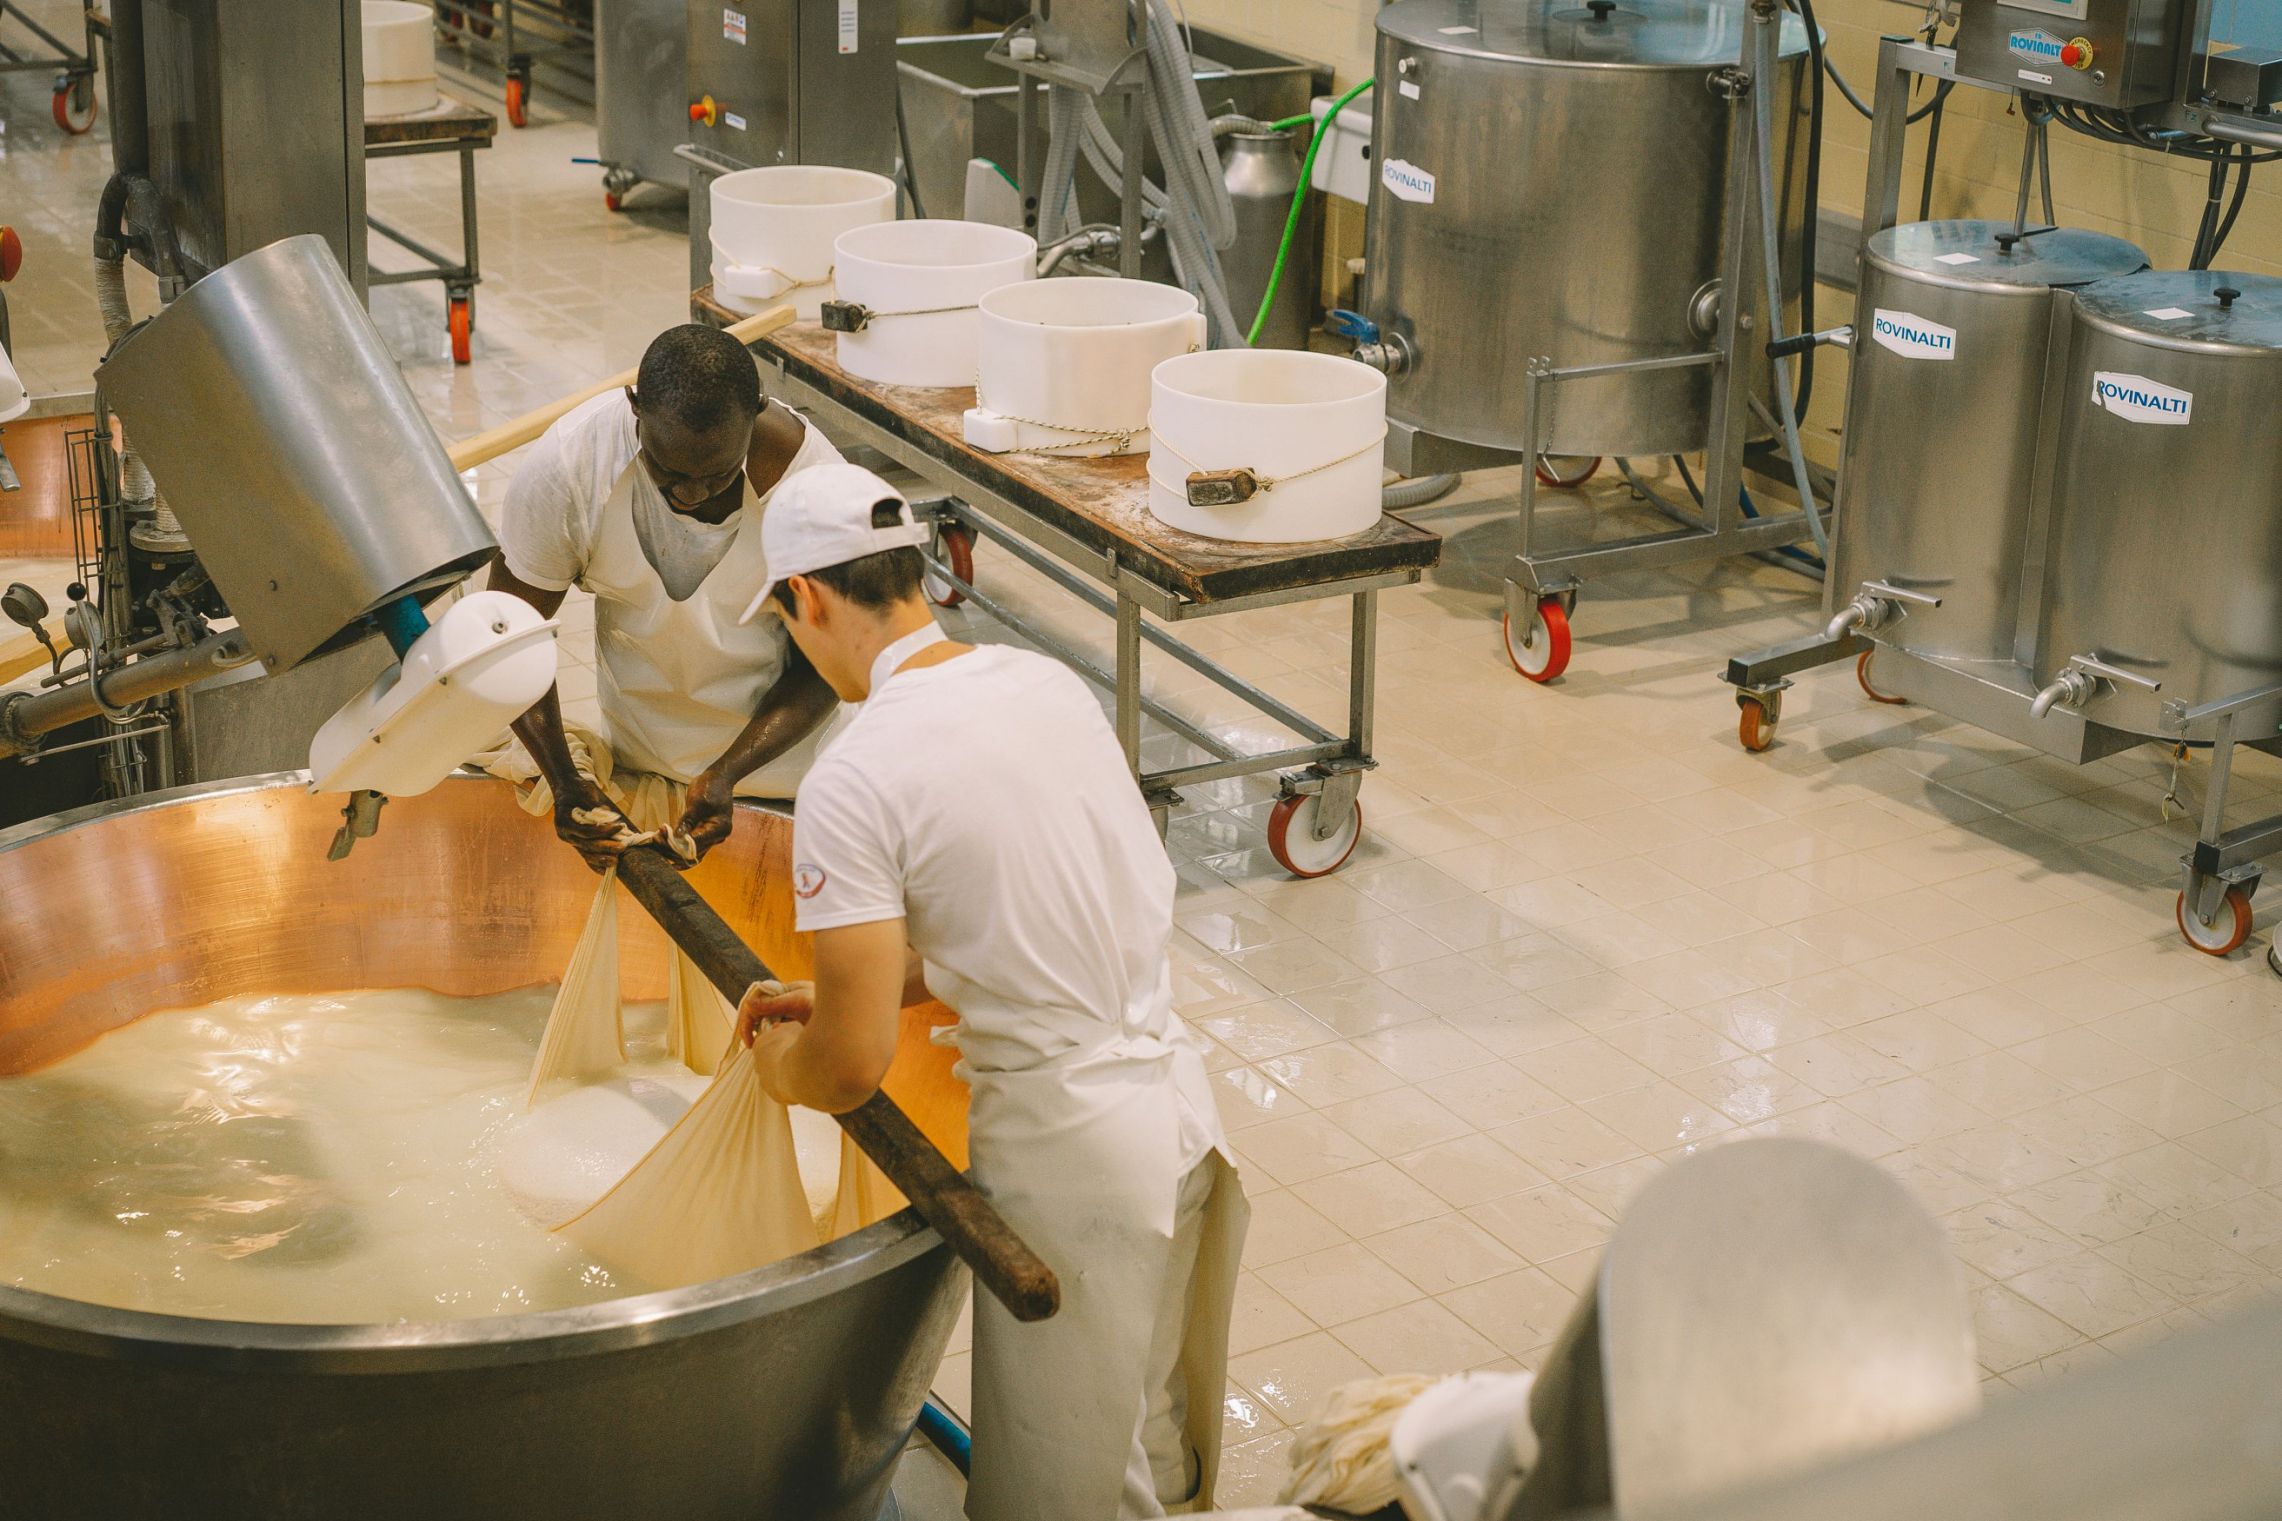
column 1085, row 525
column 449, row 126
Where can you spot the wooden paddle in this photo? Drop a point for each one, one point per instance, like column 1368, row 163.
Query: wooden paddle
column 1002, row 1263
column 493, row 442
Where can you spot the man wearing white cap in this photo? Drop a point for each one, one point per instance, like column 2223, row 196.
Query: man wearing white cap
column 974, row 832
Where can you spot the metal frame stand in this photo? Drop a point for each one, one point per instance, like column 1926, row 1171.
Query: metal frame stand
column 474, row 24
column 2222, row 871
column 1325, row 764
column 1124, row 75
column 1537, row 578
column 1334, row 764
column 74, row 72
column 459, row 277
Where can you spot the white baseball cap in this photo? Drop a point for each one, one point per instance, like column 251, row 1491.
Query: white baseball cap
column 822, row 517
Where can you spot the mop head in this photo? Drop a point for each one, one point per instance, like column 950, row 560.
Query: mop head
column 1342, row 1460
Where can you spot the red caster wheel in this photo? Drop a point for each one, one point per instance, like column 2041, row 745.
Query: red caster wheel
column 1292, row 841
column 74, row 105
column 1563, row 471
column 1542, row 651
column 959, row 551
column 1756, row 728
column 1862, row 675
column 517, row 90
column 613, row 201
column 2224, row 934
column 11, row 254
column 462, row 317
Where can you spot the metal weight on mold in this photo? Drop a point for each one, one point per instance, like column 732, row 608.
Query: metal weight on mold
column 1221, row 488
column 845, row 316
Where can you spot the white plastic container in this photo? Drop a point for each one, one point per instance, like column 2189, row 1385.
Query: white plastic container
column 921, row 283
column 477, row 669
column 1311, row 428
column 1064, row 364
column 399, row 58
column 773, row 230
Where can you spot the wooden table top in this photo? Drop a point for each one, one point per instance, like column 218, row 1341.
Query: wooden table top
column 1101, row 503
column 448, row 120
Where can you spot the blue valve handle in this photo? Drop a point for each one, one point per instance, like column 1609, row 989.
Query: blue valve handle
column 1342, row 323
column 401, row 622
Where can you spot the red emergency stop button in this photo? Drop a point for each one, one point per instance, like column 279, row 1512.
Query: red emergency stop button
column 706, row 111
column 2077, row 55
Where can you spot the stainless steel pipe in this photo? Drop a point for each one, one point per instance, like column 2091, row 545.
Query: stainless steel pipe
column 25, row 716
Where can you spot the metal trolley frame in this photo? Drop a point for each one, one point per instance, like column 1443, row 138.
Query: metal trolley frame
column 1009, row 507
column 451, row 127
column 499, row 31
column 2221, row 872
column 75, row 101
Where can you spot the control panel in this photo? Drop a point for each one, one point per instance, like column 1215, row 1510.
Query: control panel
column 2116, row 53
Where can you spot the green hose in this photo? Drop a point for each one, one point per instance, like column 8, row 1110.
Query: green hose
column 1299, row 199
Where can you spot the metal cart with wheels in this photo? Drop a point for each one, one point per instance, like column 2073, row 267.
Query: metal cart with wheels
column 74, row 104
column 1084, row 525
column 519, row 36
column 450, row 126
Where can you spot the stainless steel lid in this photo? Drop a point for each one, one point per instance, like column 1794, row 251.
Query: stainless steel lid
column 2189, row 309
column 1653, row 34
column 1970, row 256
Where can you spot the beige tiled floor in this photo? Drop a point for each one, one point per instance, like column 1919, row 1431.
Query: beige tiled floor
column 1585, row 933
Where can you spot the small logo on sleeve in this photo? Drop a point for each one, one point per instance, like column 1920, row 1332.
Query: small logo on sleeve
column 807, row 880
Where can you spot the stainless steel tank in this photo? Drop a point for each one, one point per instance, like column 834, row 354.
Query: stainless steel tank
column 1942, row 416
column 2166, row 540
column 784, row 1392
column 1552, row 178
column 1262, row 174
column 276, row 423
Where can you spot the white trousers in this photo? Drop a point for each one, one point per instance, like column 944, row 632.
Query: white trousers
column 1162, row 1472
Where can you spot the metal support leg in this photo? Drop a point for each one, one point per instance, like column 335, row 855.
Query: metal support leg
column 1025, row 110
column 1362, row 662
column 467, row 223
column 1731, row 383
column 1131, row 193
column 1129, row 681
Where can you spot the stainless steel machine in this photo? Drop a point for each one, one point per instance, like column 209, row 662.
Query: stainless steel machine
column 1585, row 231
column 246, row 122
column 1591, row 234
column 641, row 71
column 2149, row 594
column 784, row 82
column 313, row 505
column 1940, row 443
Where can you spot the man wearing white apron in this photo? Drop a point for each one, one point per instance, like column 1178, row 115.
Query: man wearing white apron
column 974, row 832
column 652, row 500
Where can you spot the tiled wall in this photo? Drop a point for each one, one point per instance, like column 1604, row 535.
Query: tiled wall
column 2143, row 196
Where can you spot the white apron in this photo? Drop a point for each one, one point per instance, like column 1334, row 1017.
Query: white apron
column 1082, row 1157
column 678, row 681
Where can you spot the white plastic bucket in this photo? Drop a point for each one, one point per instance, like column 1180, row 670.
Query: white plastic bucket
column 399, row 58
column 922, row 282
column 773, row 230
column 1311, row 427
column 1064, row 364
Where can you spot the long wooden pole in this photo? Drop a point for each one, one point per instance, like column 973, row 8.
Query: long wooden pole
column 493, row 442
column 1001, row 1261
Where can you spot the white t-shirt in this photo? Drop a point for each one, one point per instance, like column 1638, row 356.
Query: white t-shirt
column 550, row 522
column 985, row 802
